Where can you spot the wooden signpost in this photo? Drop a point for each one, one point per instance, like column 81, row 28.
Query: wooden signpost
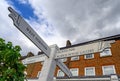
column 47, row 72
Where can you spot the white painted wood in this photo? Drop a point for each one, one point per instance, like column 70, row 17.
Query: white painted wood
column 84, row 49
column 64, row 68
column 26, row 29
column 37, row 58
column 50, row 63
column 48, row 69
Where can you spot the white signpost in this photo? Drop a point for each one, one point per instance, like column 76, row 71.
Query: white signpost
column 25, row 28
column 47, row 72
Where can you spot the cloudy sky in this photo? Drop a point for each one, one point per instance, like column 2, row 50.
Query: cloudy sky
column 59, row 20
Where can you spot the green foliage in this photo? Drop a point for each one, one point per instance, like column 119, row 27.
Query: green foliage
column 11, row 69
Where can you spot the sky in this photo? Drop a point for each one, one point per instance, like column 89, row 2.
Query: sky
column 57, row 21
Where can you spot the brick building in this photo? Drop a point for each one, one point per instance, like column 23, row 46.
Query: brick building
column 95, row 60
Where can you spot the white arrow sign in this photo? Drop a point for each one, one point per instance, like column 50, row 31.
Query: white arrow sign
column 25, row 28
column 37, row 58
column 63, row 67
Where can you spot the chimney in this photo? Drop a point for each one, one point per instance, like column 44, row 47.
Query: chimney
column 68, row 43
column 40, row 53
column 30, row 54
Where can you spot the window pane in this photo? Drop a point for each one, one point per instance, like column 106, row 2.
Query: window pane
column 89, row 56
column 106, row 52
column 89, row 71
column 107, row 70
column 74, row 71
column 38, row 73
column 60, row 73
column 75, row 58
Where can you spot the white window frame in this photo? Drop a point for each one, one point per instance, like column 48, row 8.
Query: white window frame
column 74, row 58
column 63, row 59
column 85, row 57
column 102, row 54
column 92, row 74
column 25, row 72
column 74, row 69
column 38, row 73
column 103, row 69
column 60, row 75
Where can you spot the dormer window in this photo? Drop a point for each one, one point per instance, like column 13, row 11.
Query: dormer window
column 106, row 52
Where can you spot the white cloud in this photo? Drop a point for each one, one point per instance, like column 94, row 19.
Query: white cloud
column 23, row 1
column 61, row 20
column 48, row 34
column 80, row 20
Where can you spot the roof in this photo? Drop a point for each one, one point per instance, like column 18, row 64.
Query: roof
column 115, row 37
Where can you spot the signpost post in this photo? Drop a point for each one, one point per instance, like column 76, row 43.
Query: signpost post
column 50, row 63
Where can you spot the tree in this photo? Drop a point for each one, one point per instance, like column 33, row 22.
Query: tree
column 11, row 68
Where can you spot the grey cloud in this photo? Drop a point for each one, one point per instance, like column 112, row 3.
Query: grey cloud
column 111, row 16
column 76, row 20
column 84, row 17
column 80, row 20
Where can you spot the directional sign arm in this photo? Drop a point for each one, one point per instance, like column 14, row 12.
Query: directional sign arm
column 14, row 16
column 64, row 68
column 26, row 29
column 37, row 58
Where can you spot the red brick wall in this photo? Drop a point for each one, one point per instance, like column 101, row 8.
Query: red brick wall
column 33, row 69
column 98, row 61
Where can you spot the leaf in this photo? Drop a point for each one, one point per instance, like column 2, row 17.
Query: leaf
column 11, row 69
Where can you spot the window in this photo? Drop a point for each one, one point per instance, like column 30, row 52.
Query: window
column 89, row 56
column 60, row 73
column 106, row 52
column 75, row 58
column 89, row 71
column 107, row 70
column 64, row 59
column 74, row 71
column 25, row 72
column 38, row 73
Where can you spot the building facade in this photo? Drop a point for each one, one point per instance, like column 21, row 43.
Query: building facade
column 95, row 60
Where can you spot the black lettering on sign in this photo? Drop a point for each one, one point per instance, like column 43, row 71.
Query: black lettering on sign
column 40, row 43
column 30, row 32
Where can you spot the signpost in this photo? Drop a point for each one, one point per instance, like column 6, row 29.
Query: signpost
column 48, row 69
column 25, row 28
